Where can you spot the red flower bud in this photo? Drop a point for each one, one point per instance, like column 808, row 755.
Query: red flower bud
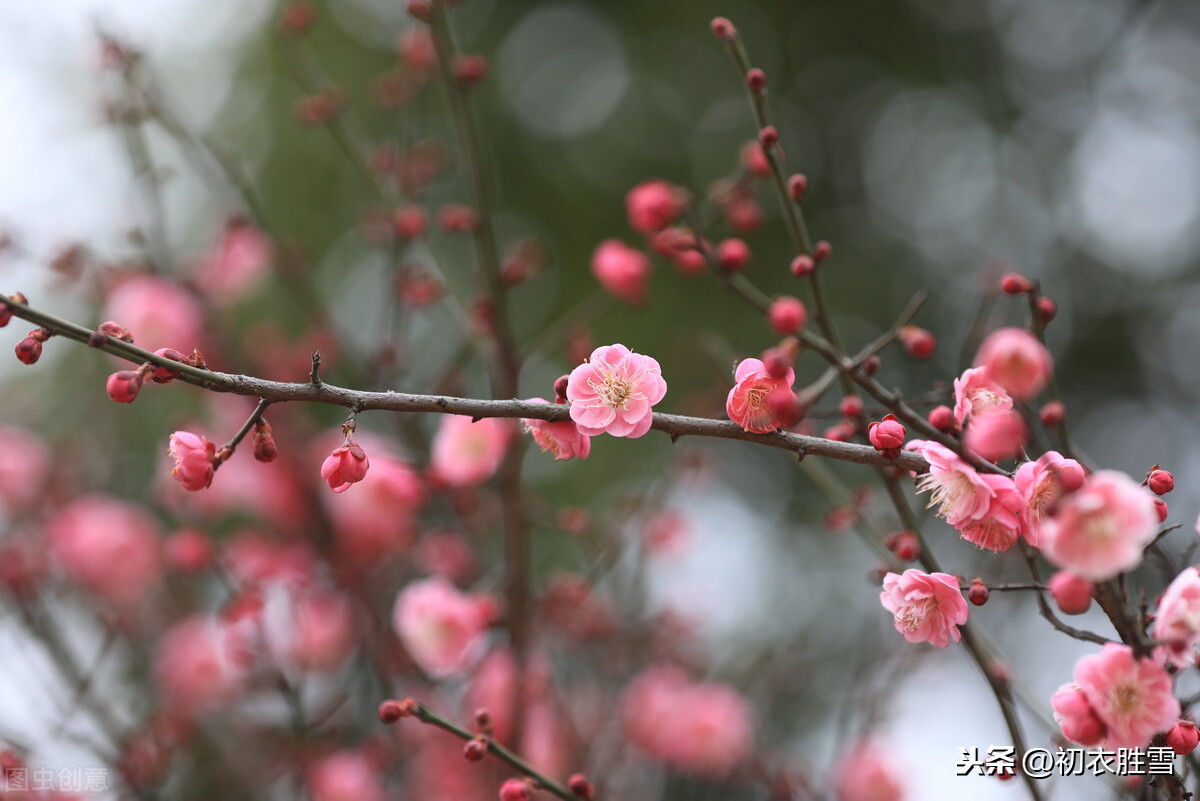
column 560, row 388
column 297, row 17
column 1160, row 506
column 787, row 315
column 905, row 545
column 798, row 187
column 887, row 435
column 475, row 749
column 455, row 218
column 917, row 342
column 29, row 350
column 942, row 418
column 1047, row 309
column 515, row 790
column 722, row 28
column 756, row 79
column 469, row 69
column 1183, row 737
column 580, row 787
column 392, row 710
column 822, row 251
column 1160, row 482
column 410, row 222
column 123, row 386
column 1072, row 593
column 978, row 594
column 777, row 361
column 1015, row 284
column 163, row 375
column 803, row 265
column 851, row 407
column 1052, row 413
column 871, row 364
column 768, row 137
column 421, row 9
column 265, row 449
column 785, row 407
column 733, row 255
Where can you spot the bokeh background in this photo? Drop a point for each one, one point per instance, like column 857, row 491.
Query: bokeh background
column 945, row 141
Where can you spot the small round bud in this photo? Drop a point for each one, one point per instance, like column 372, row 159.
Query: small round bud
column 320, row 108
column 803, row 265
column 768, row 137
column 722, row 28
column 1015, row 284
column 942, row 418
column 978, row 594
column 455, row 218
column 1183, row 737
column 580, row 787
column 420, row 9
column 785, row 407
column 560, row 389
column 115, row 330
column 392, row 710
column 163, row 375
column 1160, row 482
column 1052, row 413
column 265, row 449
column 123, row 386
column 787, row 315
column 887, row 435
column 29, row 350
column 871, row 364
column 917, row 342
column 733, row 255
column 475, row 750
column 483, row 719
column 469, row 69
column 798, row 187
column 904, row 545
column 1072, row 593
column 842, row 432
column 1161, row 508
column 409, row 223
column 777, row 361
column 1047, row 310
column 851, row 407
column 515, row 790
column 756, row 79
column 755, row 160
column 822, row 251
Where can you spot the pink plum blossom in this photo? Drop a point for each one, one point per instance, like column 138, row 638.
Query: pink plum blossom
column 1003, row 522
column 1075, row 716
column 199, row 666
column 441, row 628
column 1100, row 530
column 1041, row 483
column 613, row 392
column 746, row 403
column 378, row 519
column 706, row 729
column 623, row 271
column 955, row 488
column 1177, row 621
column 345, row 776
column 868, row 772
column 997, row 434
column 319, row 632
column 653, row 205
column 925, row 607
column 346, row 465
column 975, row 393
column 466, row 452
column 24, row 463
column 110, row 547
column 239, row 261
column 1132, row 697
column 193, row 455
column 564, row 439
column 1016, row 360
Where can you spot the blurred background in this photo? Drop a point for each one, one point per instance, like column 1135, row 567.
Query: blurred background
column 945, row 143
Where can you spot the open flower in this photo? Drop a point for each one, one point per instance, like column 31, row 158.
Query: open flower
column 746, row 404
column 1132, row 697
column 194, row 455
column 955, row 488
column 925, row 607
column 1003, row 523
column 564, row 439
column 1100, row 529
column 613, row 392
column 1177, row 621
column 975, row 393
column 1016, row 360
column 345, row 466
column 441, row 628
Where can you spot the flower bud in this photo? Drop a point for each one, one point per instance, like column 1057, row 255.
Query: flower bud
column 123, row 386
column 265, row 449
column 409, row 223
column 787, row 315
column 580, row 787
column 904, row 545
column 756, row 79
column 798, row 187
column 1052, row 413
column 942, row 418
column 1161, row 508
column 803, row 265
column 560, row 388
column 1047, row 310
column 297, row 17
column 421, row 9
column 733, row 255
column 346, row 465
column 785, row 407
column 978, row 594
column 871, row 364
column 29, row 350
column 755, row 160
column 1072, row 593
column 822, row 251
column 515, row 790
column 1183, row 737
column 1160, row 482
column 851, row 407
column 1015, row 284
column 917, row 342
column 469, row 69
column 887, row 434
column 392, row 710
column 778, row 361
column 768, row 137
column 475, row 749
column 722, row 28
column 455, row 218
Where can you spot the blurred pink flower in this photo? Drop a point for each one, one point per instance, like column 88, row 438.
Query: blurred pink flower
column 1100, row 529
column 1132, row 697
column 441, row 628
column 199, row 666
column 465, row 453
column 1016, row 360
column 746, row 403
column 345, row 776
column 1177, row 621
column 653, row 205
column 564, row 439
column 237, row 264
column 110, row 547
column 613, row 392
column 975, row 393
column 997, row 434
column 623, row 271
column 322, row 632
column 24, row 464
column 868, row 772
column 193, row 455
column 706, row 729
column 158, row 312
column 925, row 607
column 1075, row 716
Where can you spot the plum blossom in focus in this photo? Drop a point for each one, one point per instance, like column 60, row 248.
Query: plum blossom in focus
column 746, row 403
column 955, row 488
column 1132, row 697
column 194, row 460
column 613, row 392
column 564, row 439
column 467, row 452
column 1015, row 360
column 441, row 628
column 925, row 607
column 1002, row 524
column 706, row 729
column 1100, row 529
column 346, row 465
